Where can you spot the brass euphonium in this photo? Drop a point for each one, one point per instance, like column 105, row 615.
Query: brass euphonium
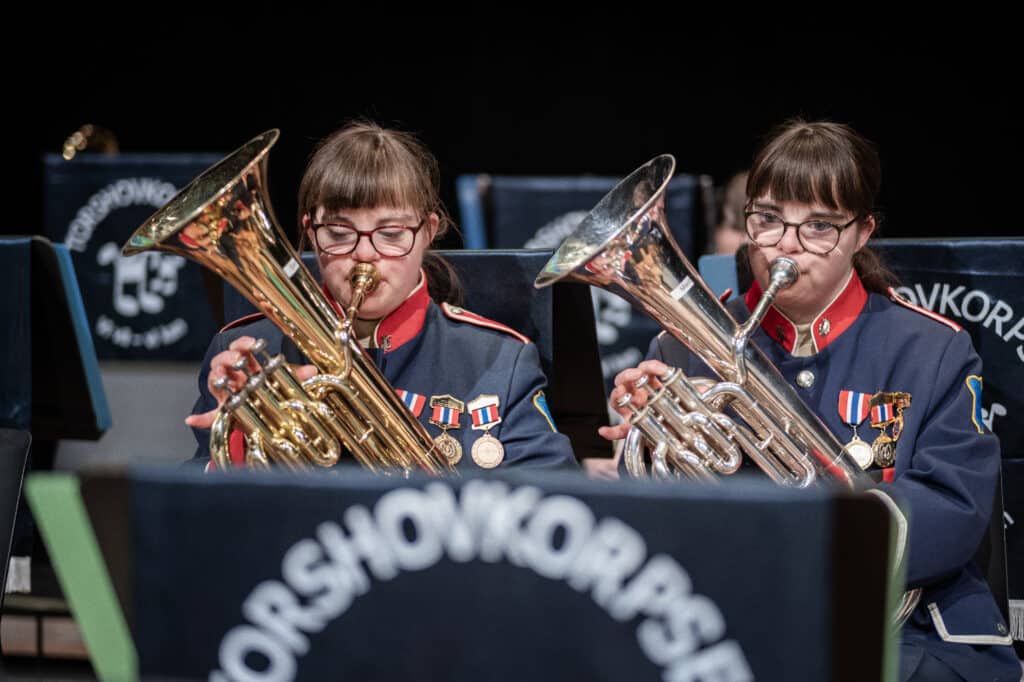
column 624, row 245
column 223, row 220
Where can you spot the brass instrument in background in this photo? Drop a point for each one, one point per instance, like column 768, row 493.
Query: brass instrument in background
column 89, row 138
column 624, row 245
column 224, row 221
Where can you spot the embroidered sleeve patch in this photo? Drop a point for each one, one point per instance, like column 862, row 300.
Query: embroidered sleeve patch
column 974, row 386
column 541, row 403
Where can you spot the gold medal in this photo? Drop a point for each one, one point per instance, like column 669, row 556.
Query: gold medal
column 884, row 450
column 860, row 451
column 488, row 452
column 887, row 409
column 445, row 413
column 449, row 447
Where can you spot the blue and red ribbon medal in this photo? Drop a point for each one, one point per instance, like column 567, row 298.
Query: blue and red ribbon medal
column 887, row 410
column 487, row 451
column 853, row 409
column 446, row 411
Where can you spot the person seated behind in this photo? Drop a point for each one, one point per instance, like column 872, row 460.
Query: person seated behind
column 841, row 332
column 370, row 195
column 729, row 233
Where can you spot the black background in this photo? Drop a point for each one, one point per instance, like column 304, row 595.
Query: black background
column 497, row 90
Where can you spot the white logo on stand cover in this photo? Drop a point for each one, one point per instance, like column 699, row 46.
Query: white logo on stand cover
column 973, row 305
column 118, row 194
column 989, row 415
column 408, row 530
column 141, row 284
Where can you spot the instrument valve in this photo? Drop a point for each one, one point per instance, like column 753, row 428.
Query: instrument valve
column 626, row 401
column 237, row 399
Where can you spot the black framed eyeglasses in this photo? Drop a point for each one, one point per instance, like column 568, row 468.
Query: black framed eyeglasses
column 815, row 236
column 393, row 241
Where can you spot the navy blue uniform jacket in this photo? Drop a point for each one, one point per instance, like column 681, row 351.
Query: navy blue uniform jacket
column 946, row 464
column 429, row 350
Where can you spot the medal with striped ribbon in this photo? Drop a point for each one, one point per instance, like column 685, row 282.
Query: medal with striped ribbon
column 853, row 409
column 487, row 452
column 446, row 411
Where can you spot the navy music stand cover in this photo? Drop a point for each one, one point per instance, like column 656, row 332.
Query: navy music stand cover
column 151, row 306
column 492, row 578
column 51, row 384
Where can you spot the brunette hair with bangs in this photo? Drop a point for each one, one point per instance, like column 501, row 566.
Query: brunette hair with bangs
column 830, row 164
column 364, row 165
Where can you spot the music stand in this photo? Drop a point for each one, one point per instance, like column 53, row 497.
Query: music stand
column 51, row 386
column 792, row 584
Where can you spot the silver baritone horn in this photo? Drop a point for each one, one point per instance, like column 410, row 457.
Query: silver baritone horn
column 625, row 246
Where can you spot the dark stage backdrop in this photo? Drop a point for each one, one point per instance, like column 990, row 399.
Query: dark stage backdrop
column 546, row 101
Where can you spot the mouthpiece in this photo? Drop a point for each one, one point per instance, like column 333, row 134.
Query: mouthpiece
column 783, row 273
column 364, row 280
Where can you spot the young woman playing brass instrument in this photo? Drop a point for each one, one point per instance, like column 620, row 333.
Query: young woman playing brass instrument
column 369, row 196
column 858, row 355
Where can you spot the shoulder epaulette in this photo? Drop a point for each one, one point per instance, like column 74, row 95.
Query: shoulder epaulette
column 896, row 298
column 242, row 320
column 462, row 315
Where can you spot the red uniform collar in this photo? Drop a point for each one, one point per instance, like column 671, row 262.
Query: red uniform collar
column 826, row 327
column 404, row 322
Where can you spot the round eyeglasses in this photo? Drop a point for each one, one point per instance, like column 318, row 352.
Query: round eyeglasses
column 815, row 236
column 393, row 241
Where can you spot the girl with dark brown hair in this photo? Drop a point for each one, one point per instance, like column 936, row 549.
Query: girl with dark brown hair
column 858, row 355
column 370, row 196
